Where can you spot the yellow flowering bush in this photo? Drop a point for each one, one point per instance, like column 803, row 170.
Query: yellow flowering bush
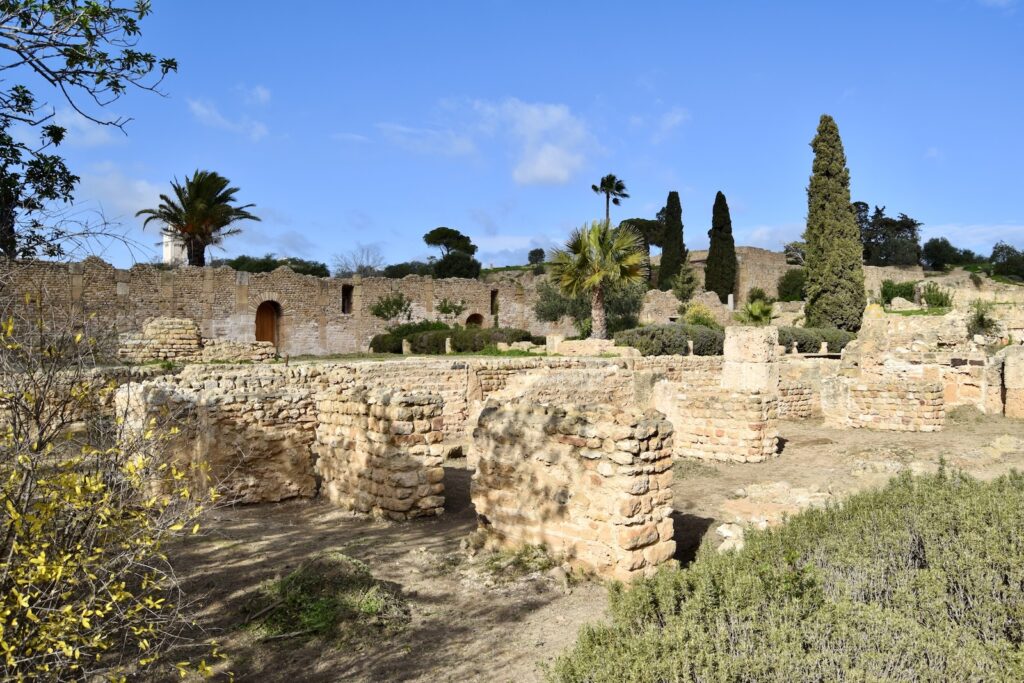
column 88, row 508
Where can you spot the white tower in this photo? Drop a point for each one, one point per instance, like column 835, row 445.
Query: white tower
column 174, row 251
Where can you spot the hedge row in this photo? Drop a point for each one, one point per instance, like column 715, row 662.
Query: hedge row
column 808, row 339
column 666, row 340
column 431, row 341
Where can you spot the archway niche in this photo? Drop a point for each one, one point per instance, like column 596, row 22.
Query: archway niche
column 475, row 320
column 268, row 322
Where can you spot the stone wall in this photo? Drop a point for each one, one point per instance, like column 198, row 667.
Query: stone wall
column 900, row 406
column 380, row 451
column 247, row 432
column 875, row 275
column 178, row 339
column 591, row 483
column 736, row 420
column 737, row 426
column 797, row 401
column 316, row 315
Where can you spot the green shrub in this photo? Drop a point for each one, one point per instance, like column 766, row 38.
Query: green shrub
column 791, row 285
column 808, row 339
column 386, row 343
column 538, row 340
column 891, row 290
column 474, row 339
column 392, row 307
column 935, row 296
column 979, row 321
column 665, row 340
column 391, row 341
column 431, row 342
column 919, row 581
column 699, row 314
column 758, row 294
column 756, row 312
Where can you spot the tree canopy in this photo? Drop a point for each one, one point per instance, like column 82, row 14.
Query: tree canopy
column 834, row 253
column 720, row 271
column 449, row 240
column 268, row 263
column 673, row 250
column 888, row 241
column 88, row 54
column 614, row 191
column 200, row 214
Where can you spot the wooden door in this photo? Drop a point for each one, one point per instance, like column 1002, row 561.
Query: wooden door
column 267, row 319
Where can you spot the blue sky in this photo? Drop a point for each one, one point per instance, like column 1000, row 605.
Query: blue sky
column 372, row 123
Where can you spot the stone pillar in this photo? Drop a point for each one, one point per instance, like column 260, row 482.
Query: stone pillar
column 731, row 302
column 406, row 347
column 750, row 362
column 1013, row 381
column 448, row 345
column 552, row 342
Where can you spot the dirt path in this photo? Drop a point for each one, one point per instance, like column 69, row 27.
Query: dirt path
column 467, row 629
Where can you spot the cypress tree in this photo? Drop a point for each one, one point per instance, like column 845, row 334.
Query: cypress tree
column 835, row 270
column 720, row 272
column 673, row 251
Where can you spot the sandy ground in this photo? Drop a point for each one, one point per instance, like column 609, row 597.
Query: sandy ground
column 464, row 628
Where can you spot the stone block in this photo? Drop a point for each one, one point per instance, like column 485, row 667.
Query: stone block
column 750, row 344
column 750, row 376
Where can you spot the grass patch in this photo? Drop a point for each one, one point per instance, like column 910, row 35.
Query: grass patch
column 922, row 311
column 512, row 564
column 919, row 581
column 333, row 597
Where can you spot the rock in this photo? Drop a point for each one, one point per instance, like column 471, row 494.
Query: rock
column 900, row 304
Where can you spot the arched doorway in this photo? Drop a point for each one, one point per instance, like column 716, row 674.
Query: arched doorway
column 268, row 322
column 475, row 320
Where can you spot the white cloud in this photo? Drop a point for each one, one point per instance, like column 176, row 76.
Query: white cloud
column 118, row 195
column 81, row 132
column 444, row 142
column 768, row 236
column 999, row 4
column 669, row 121
column 258, row 94
column 551, row 142
column 207, row 114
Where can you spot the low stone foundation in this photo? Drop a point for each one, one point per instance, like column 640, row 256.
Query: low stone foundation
column 726, row 425
column 592, row 483
column 380, row 451
column 796, row 401
column 901, row 406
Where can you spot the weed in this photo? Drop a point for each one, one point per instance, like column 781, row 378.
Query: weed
column 333, row 597
column 509, row 565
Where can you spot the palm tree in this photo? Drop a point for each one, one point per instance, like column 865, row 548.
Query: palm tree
column 595, row 259
column 199, row 214
column 613, row 190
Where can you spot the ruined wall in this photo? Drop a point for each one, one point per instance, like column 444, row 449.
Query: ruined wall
column 875, row 275
column 593, row 483
column 178, row 339
column 247, row 431
column 797, row 401
column 737, row 420
column 380, row 451
column 900, row 406
column 317, row 315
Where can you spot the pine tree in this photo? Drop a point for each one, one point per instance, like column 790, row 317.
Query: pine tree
column 673, row 251
column 720, row 272
column 835, row 271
